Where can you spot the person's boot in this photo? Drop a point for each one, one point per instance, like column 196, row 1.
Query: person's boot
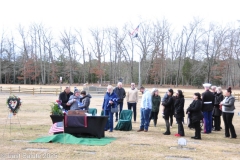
column 155, row 123
column 198, row 134
column 167, row 127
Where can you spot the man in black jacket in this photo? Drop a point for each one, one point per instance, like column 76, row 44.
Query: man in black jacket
column 207, row 107
column 121, row 94
column 64, row 97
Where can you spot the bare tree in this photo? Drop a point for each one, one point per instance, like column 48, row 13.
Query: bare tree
column 68, row 40
column 98, row 48
column 145, row 45
column 79, row 40
column 24, row 52
column 1, row 54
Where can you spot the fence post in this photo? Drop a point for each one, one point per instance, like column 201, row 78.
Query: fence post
column 56, row 91
column 1, row 88
column 10, row 90
column 40, row 90
column 33, row 91
column 18, row 88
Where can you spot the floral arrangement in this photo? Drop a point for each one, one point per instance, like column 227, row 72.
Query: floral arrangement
column 56, row 108
column 14, row 102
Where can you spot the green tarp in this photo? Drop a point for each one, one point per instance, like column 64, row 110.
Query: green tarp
column 65, row 138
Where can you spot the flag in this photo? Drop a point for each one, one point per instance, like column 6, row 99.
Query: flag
column 135, row 32
column 55, row 128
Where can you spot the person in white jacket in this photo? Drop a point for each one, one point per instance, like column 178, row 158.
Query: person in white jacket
column 132, row 100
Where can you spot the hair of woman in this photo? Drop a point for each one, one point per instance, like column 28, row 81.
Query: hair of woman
column 198, row 95
column 229, row 89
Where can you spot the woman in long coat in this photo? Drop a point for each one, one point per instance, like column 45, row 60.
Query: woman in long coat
column 216, row 110
column 168, row 110
column 110, row 101
column 156, row 99
column 179, row 112
column 195, row 112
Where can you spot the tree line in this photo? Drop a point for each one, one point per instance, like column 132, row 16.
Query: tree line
column 198, row 53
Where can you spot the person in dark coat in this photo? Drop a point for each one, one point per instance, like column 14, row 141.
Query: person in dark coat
column 207, row 108
column 213, row 89
column 121, row 94
column 168, row 105
column 156, row 99
column 85, row 100
column 110, row 101
column 64, row 98
column 195, row 113
column 216, row 110
column 179, row 112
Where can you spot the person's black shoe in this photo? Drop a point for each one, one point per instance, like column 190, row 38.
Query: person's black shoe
column 167, row 133
column 193, row 137
column 198, row 138
column 234, row 137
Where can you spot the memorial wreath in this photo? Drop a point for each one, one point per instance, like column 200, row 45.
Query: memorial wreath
column 14, row 103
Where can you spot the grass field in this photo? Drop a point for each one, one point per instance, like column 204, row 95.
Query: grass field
column 35, row 122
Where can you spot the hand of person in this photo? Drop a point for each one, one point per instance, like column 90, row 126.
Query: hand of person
column 111, row 102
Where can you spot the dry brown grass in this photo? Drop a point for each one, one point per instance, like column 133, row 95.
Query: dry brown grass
column 35, row 122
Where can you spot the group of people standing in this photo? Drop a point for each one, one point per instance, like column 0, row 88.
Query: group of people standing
column 207, row 107
column 216, row 104
column 173, row 105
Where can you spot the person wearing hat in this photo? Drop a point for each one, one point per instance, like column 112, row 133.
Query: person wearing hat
column 75, row 100
column 168, row 106
column 156, row 99
column 64, row 97
column 207, row 107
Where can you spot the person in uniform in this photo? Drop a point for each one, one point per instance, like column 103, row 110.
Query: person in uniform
column 207, row 107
